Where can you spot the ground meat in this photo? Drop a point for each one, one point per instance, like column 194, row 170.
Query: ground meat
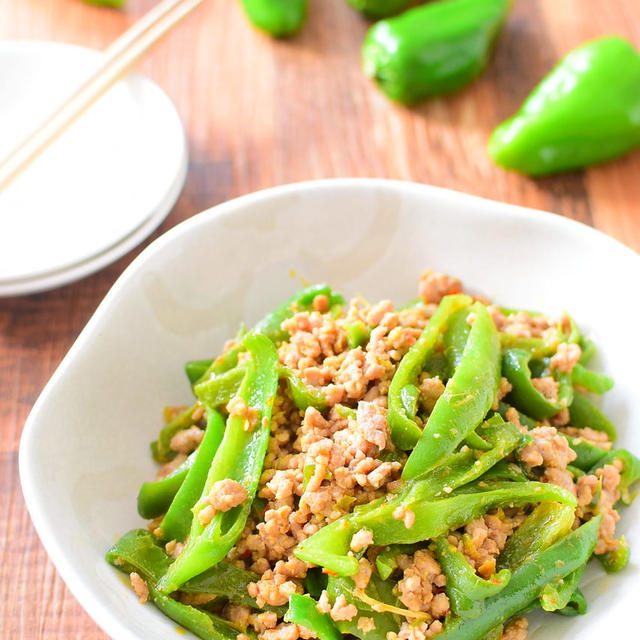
column 366, row 624
column 516, row 629
column 171, row 466
column 273, row 589
column 608, row 478
column 430, row 390
column 324, row 606
column 238, row 408
column 341, row 610
column 187, row 440
column 503, row 390
column 421, row 586
column 237, row 613
column 139, row 586
column 263, row 621
column 523, row 325
column 548, row 448
column 283, row 631
column 547, row 386
column 361, row 540
column 485, row 538
column 174, row 548
column 598, row 438
column 405, row 514
column 559, row 477
column 226, row 494
column 566, row 357
column 361, row 579
column 321, row 303
column 416, row 631
column 434, row 286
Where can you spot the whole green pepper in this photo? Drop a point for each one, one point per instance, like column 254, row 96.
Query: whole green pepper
column 177, row 521
column 527, row 582
column 583, row 113
column 239, row 457
column 404, row 430
column 379, row 8
column 467, row 397
column 278, row 18
column 433, row 49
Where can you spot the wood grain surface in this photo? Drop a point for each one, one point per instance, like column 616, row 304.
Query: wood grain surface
column 260, row 113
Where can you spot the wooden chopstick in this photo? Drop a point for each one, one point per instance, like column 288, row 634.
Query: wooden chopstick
column 120, row 56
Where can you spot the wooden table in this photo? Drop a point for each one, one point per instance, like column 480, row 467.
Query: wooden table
column 260, row 113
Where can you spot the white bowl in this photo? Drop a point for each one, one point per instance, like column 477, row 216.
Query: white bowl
column 84, row 451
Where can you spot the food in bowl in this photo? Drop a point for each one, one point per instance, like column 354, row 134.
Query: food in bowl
column 435, row 470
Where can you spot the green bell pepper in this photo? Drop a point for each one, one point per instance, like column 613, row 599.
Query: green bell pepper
column 433, row 49
column 377, row 9
column 303, row 610
column 278, row 18
column 583, row 113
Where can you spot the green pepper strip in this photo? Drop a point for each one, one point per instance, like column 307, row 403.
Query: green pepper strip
column 527, row 581
column 378, row 590
column 404, row 430
column 588, row 454
column 303, row 395
column 583, row 413
column 204, row 624
column 590, row 380
column 155, row 497
column 357, row 333
column 195, row 369
column 240, row 457
column 160, row 448
column 138, row 551
column 524, row 396
column 546, row 524
column 577, row 605
column 466, row 590
column 218, row 390
column 537, row 347
column 589, row 350
column 630, row 471
column 329, row 547
column 616, row 560
column 467, row 397
column 504, row 470
column 387, row 559
column 556, row 595
column 303, row 610
column 177, row 521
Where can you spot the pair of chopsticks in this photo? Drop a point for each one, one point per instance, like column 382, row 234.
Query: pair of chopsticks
column 120, row 56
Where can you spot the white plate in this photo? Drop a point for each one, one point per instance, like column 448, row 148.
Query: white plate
column 99, row 189
column 84, row 451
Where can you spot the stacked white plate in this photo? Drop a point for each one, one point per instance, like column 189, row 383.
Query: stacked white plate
column 101, row 188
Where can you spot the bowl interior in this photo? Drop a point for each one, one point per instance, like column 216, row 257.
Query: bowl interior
column 84, row 452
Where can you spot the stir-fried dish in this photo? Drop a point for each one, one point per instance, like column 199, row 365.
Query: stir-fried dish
column 434, row 470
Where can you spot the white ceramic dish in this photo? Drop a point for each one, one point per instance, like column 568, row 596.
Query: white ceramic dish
column 100, row 188
column 84, row 449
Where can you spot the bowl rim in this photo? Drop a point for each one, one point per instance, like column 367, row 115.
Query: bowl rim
column 96, row 609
